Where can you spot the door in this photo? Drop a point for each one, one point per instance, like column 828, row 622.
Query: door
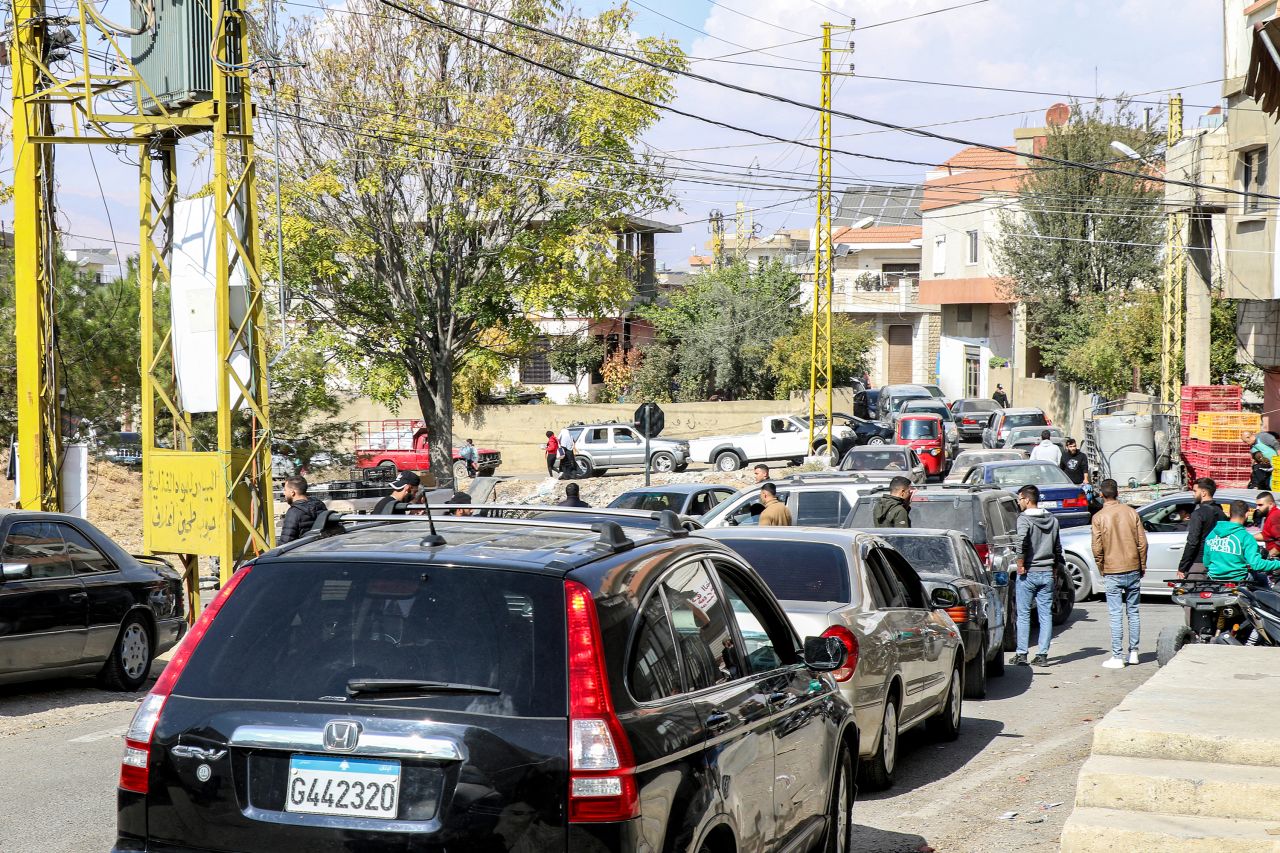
column 819, row 508
column 732, row 705
column 899, row 338
column 594, row 443
column 109, row 599
column 972, row 371
column 785, row 439
column 1166, row 526
column 628, row 448
column 42, row 606
column 914, row 641
column 803, row 738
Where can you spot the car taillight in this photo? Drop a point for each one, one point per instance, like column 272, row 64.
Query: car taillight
column 1206, row 594
column 959, row 614
column 850, row 641
column 1076, row 502
column 1048, row 421
column 602, row 785
column 984, row 554
column 136, row 761
column 969, row 421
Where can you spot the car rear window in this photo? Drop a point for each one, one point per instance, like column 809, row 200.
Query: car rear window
column 1022, row 475
column 798, row 571
column 648, row 501
column 933, row 511
column 981, row 406
column 913, row 429
column 876, row 460
column 926, row 553
column 300, row 631
column 1025, row 419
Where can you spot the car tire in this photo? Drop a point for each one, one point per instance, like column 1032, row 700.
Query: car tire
column 879, row 769
column 995, row 666
column 129, row 665
column 662, row 463
column 839, row 837
column 877, row 440
column 1064, row 599
column 680, row 469
column 583, row 468
column 728, row 461
column 487, row 471
column 599, row 472
column 945, row 724
column 975, row 674
column 1080, row 577
column 388, row 465
column 827, row 451
column 1171, row 641
column 1011, row 619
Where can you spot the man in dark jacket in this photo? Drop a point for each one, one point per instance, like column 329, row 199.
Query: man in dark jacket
column 403, row 489
column 1074, row 463
column 894, row 509
column 303, row 510
column 1204, row 518
column 572, row 498
column 1039, row 555
column 1001, row 397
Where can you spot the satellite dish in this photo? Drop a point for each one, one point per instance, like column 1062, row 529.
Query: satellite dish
column 1057, row 115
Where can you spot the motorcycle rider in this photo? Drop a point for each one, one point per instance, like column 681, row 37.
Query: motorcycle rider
column 1231, row 551
column 1206, row 514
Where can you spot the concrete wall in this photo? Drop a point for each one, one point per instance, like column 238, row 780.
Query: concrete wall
column 520, row 431
column 1064, row 403
column 954, row 223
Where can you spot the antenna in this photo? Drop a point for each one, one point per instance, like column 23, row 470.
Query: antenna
column 432, row 538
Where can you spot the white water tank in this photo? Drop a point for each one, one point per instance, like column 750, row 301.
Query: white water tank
column 1127, row 446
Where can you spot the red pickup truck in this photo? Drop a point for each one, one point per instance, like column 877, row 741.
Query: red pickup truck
column 402, row 445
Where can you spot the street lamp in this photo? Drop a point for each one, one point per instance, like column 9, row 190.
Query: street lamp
column 1127, row 151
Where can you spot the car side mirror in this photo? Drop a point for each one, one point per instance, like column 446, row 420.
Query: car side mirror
column 1000, row 578
column 824, row 654
column 944, row 597
column 15, row 571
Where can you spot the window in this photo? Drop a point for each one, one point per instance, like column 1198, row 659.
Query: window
column 701, row 622
column 971, row 244
column 973, row 374
column 1255, row 177
column 798, row 571
column 821, row 508
column 939, row 255
column 85, row 557
column 40, row 546
column 535, row 368
column 908, row 582
column 964, row 313
column 654, row 670
column 599, row 435
column 623, row 435
column 886, row 591
column 766, row 645
column 931, row 553
column 912, row 430
column 1172, row 517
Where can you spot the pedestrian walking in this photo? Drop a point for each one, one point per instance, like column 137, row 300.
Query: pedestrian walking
column 1203, row 519
column 568, row 464
column 760, row 472
column 1074, row 463
column 403, row 489
column 303, row 510
column 552, row 449
column 1040, row 555
column 775, row 512
column 1046, row 450
column 1120, row 551
column 470, row 455
column 1001, row 397
column 894, row 508
column 572, row 498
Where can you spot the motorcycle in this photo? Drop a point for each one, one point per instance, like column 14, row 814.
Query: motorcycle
column 1222, row 612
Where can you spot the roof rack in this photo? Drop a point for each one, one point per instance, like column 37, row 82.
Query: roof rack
column 818, row 476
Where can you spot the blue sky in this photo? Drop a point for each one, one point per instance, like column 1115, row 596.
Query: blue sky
column 1077, row 47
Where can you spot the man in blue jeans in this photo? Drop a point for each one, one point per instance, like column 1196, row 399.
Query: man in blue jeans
column 1120, row 549
column 1040, row 553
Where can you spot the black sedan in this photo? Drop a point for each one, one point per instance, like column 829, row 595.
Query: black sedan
column 72, row 602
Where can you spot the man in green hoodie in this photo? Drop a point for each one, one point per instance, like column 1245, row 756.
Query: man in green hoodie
column 1231, row 551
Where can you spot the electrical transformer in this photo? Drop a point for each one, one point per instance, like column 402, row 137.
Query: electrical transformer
column 175, row 58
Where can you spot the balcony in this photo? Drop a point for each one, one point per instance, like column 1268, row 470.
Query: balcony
column 875, row 293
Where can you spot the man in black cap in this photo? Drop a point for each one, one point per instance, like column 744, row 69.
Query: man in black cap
column 464, row 504
column 403, row 490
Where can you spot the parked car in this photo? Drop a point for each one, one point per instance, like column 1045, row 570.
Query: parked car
column 815, row 500
column 1165, row 521
column 599, row 447
column 947, row 557
column 780, row 437
column 884, row 462
column 892, row 397
column 939, row 408
column 1068, row 502
column 988, row 515
column 938, row 394
column 1026, row 438
column 525, row 686
column 72, row 602
column 924, row 434
column 972, row 415
column 122, row 448
column 853, row 585
column 402, row 445
column 860, row 431
column 970, row 459
column 866, row 404
column 682, row 498
column 1006, row 419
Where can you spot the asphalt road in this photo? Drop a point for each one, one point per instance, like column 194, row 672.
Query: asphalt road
column 1019, row 750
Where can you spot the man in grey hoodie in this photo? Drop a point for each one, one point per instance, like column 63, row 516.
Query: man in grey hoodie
column 1040, row 553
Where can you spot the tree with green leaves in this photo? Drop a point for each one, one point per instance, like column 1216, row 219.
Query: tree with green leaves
column 792, row 354
column 437, row 191
column 1080, row 243
column 576, row 356
column 721, row 326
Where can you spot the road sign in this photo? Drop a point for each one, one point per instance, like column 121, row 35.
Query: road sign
column 650, row 420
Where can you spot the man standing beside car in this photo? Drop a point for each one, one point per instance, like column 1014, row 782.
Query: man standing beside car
column 1040, row 554
column 1120, row 549
column 1204, row 518
column 775, row 513
column 303, row 510
column 1075, row 464
column 894, row 509
column 1046, row 450
column 1000, row 397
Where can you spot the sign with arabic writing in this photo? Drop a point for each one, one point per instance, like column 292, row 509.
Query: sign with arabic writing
column 184, row 502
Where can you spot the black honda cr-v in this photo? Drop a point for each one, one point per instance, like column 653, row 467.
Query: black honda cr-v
column 528, row 685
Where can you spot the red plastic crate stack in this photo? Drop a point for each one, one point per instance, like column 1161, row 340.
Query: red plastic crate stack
column 1226, row 462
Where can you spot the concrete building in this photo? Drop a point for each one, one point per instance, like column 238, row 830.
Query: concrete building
column 101, row 264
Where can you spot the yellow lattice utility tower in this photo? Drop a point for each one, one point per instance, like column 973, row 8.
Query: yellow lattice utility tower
column 820, row 373
column 1173, row 326
column 209, row 491
column 716, row 223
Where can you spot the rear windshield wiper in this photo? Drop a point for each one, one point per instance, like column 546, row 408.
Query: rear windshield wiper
column 358, row 686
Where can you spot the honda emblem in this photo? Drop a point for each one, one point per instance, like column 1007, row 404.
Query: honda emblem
column 341, row 735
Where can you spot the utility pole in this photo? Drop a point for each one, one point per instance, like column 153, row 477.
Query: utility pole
column 1173, row 319
column 820, row 374
column 740, row 231
column 716, row 222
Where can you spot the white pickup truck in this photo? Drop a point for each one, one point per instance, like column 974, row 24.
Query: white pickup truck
column 780, row 437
